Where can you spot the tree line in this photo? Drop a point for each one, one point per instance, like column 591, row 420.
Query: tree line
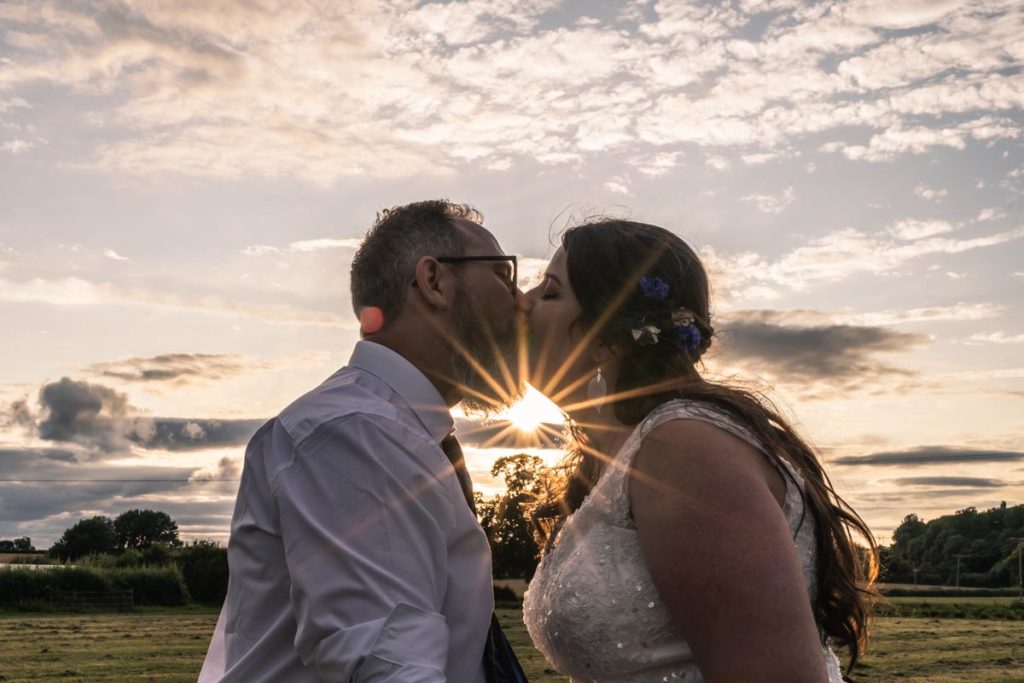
column 968, row 548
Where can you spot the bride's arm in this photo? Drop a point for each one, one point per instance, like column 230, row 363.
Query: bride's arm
column 718, row 547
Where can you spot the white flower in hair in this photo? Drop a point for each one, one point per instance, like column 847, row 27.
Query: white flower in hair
column 646, row 335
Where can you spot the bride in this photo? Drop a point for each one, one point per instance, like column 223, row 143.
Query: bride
column 696, row 536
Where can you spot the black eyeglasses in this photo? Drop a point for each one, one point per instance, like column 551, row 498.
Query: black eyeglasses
column 514, row 284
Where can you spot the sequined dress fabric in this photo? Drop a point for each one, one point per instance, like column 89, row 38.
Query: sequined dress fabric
column 592, row 608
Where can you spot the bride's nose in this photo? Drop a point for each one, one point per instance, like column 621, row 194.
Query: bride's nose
column 524, row 302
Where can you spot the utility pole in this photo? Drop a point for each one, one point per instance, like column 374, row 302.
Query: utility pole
column 958, row 568
column 1020, row 566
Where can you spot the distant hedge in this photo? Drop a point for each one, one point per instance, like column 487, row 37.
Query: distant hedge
column 22, row 588
column 152, row 585
column 939, row 610
column 204, row 565
column 34, row 588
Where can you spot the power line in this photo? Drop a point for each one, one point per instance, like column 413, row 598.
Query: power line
column 123, row 481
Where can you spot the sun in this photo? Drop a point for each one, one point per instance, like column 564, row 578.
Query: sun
column 532, row 411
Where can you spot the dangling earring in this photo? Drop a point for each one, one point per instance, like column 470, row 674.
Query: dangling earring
column 597, row 389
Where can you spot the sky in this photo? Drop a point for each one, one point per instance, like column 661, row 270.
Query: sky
column 184, row 184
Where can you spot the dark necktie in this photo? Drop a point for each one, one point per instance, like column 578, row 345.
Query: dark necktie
column 451, row 447
column 500, row 663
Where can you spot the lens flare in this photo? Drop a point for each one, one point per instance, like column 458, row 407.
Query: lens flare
column 532, row 411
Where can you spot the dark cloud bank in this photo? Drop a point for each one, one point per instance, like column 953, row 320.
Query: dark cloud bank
column 764, row 341
column 930, row 455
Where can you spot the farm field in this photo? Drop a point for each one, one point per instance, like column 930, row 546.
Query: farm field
column 168, row 646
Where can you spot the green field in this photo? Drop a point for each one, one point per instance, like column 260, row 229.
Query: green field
column 168, row 646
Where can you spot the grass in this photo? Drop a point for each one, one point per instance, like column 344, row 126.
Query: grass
column 168, row 644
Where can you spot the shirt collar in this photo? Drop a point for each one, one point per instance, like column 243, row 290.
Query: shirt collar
column 408, row 382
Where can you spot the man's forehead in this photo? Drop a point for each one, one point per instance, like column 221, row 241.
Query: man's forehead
column 478, row 238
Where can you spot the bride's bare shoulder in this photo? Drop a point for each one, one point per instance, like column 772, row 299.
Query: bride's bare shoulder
column 694, row 457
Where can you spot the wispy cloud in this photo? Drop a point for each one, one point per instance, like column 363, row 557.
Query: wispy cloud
column 113, row 255
column 911, row 229
column 959, row 311
column 74, row 291
column 177, row 367
column 998, row 338
column 835, row 257
column 928, row 193
column 772, row 203
column 302, row 246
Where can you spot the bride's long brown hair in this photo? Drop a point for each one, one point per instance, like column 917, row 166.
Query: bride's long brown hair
column 606, row 260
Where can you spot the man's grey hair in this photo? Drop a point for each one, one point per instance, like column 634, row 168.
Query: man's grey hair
column 384, row 265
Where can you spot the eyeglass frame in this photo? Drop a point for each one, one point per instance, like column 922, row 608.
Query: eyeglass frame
column 512, row 258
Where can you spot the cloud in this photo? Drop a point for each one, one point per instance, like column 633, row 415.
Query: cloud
column 655, row 165
column 910, row 229
column 960, row 311
column 83, row 413
column 931, row 455
column 902, row 15
column 189, row 434
column 103, row 421
column 303, row 246
column 768, row 341
column 19, row 415
column 114, row 256
column 771, row 203
column 618, row 185
column 927, row 193
column 74, row 291
column 998, row 338
column 16, row 146
column 837, row 256
column 177, row 367
column 897, row 140
column 966, row 482
column 253, row 89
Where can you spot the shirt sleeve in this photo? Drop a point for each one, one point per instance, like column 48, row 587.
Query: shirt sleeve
column 365, row 509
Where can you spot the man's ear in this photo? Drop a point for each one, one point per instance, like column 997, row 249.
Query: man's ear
column 433, row 282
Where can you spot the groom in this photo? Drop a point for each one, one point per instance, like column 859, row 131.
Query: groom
column 353, row 554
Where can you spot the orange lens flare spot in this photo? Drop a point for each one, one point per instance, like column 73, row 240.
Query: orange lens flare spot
column 371, row 319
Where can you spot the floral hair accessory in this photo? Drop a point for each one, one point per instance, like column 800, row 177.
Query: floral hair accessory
column 687, row 333
column 682, row 317
column 646, row 335
column 654, row 287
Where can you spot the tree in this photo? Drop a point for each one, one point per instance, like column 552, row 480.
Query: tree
column 24, row 543
column 513, row 548
column 143, row 528
column 93, row 535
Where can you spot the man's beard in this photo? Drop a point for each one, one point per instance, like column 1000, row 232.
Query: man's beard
column 495, row 348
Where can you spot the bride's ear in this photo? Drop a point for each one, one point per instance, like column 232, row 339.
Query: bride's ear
column 603, row 353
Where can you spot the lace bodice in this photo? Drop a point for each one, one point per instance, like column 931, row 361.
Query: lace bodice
column 592, row 608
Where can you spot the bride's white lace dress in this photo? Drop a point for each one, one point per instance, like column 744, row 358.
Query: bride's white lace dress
column 592, row 608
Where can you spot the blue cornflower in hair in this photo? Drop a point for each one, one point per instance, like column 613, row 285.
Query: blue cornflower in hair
column 688, row 337
column 654, row 287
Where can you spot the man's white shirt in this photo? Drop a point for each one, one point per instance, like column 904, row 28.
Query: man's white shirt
column 353, row 554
